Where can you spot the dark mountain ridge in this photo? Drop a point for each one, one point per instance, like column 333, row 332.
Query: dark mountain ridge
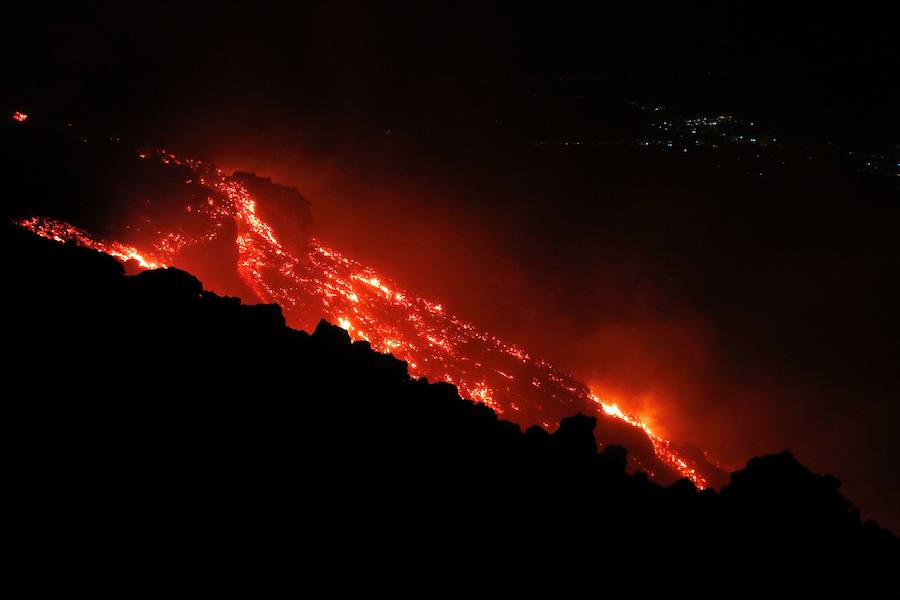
column 158, row 203
column 162, row 437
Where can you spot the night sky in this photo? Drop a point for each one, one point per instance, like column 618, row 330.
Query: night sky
column 490, row 156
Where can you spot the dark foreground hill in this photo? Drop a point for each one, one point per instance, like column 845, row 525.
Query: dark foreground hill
column 163, row 440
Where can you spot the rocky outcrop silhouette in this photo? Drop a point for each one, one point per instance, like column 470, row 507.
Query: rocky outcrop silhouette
column 283, row 206
column 160, row 437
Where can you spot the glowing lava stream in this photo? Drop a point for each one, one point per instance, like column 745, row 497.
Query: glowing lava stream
column 326, row 284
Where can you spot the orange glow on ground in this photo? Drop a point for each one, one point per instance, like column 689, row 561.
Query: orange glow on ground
column 323, row 283
column 661, row 447
column 63, row 232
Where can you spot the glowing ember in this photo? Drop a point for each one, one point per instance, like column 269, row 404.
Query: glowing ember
column 325, row 284
column 661, row 447
column 63, row 232
column 19, row 116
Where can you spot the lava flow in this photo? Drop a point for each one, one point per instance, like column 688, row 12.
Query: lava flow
column 320, row 282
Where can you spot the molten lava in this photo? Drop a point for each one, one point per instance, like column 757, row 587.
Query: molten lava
column 323, row 283
column 63, row 232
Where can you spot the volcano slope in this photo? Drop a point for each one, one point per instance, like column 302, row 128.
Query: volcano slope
column 162, row 438
column 250, row 237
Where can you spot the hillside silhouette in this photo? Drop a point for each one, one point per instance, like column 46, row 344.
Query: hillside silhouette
column 157, row 202
column 162, row 438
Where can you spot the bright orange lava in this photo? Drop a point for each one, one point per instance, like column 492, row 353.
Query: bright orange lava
column 324, row 283
column 19, row 116
column 661, row 447
column 63, row 232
